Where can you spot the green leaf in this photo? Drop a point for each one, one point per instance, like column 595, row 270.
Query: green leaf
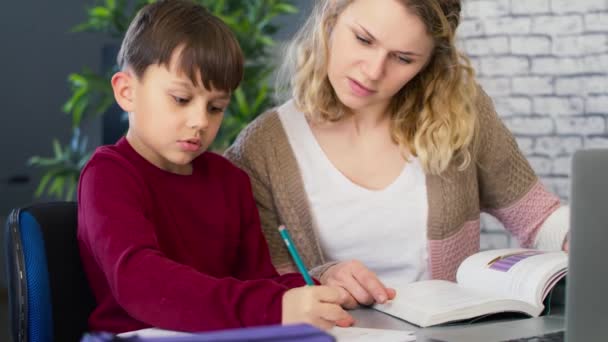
column 77, row 80
column 78, row 111
column 285, row 8
column 71, row 189
column 81, row 27
column 103, row 105
column 42, row 185
column 67, row 154
column 72, row 102
column 43, row 162
column 218, row 7
column 57, row 148
column 56, row 187
column 230, row 21
column 241, row 101
column 101, row 12
column 266, row 40
column 84, row 160
column 261, row 98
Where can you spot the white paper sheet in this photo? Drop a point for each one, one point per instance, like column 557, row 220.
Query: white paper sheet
column 153, row 332
column 354, row 334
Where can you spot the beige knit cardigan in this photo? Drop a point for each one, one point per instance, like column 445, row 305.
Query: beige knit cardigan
column 498, row 181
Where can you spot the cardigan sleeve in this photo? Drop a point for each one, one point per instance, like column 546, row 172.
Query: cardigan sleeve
column 249, row 152
column 510, row 190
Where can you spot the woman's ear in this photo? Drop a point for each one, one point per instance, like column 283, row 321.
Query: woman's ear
column 123, row 85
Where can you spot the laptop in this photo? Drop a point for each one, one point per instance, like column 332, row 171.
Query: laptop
column 587, row 282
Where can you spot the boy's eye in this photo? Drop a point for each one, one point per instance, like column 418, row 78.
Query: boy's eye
column 216, row 110
column 180, row 100
column 363, row 40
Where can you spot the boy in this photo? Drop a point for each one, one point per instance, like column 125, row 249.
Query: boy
column 169, row 234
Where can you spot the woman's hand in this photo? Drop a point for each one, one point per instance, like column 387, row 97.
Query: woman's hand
column 361, row 284
column 566, row 244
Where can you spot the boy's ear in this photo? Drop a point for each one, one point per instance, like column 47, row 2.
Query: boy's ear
column 123, row 84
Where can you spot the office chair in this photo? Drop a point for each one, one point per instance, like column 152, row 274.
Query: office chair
column 49, row 296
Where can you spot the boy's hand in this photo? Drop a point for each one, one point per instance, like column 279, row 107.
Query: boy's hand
column 316, row 305
column 362, row 285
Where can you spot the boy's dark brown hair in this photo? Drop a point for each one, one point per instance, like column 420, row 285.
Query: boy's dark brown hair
column 209, row 46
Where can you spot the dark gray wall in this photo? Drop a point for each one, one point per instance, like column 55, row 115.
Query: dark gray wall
column 289, row 24
column 37, row 53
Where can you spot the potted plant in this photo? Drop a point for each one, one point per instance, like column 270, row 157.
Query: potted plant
column 91, row 93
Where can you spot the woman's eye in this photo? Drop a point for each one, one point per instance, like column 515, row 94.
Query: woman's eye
column 181, row 100
column 363, row 40
column 403, row 60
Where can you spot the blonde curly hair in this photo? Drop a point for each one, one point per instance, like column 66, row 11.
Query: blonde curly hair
column 433, row 116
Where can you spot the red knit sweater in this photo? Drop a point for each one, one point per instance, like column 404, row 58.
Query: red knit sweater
column 173, row 251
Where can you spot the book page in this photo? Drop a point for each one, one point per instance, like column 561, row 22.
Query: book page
column 433, row 302
column 522, row 274
column 355, row 334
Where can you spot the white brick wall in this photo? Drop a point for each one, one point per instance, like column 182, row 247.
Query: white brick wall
column 523, row 7
column 545, row 64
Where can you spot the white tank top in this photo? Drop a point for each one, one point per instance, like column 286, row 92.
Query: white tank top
column 384, row 229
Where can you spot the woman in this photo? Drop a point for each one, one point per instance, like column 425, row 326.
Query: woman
column 388, row 151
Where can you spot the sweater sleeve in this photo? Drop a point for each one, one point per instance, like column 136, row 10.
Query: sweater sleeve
column 508, row 187
column 253, row 248
column 155, row 289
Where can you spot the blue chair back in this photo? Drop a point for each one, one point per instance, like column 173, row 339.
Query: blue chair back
column 49, row 296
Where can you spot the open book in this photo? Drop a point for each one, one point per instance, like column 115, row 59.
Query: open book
column 504, row 280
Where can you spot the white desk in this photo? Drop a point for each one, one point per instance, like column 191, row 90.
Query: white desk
column 489, row 331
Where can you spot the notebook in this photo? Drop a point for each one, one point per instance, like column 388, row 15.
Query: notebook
column 275, row 333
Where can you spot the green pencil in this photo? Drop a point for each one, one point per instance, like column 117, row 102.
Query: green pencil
column 295, row 255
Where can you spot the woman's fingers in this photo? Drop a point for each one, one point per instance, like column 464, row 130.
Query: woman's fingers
column 362, row 284
column 348, row 301
column 369, row 281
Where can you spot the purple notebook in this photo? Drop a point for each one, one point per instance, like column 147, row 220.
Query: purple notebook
column 272, row 333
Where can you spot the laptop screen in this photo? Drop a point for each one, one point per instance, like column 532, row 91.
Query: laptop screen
column 587, row 282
